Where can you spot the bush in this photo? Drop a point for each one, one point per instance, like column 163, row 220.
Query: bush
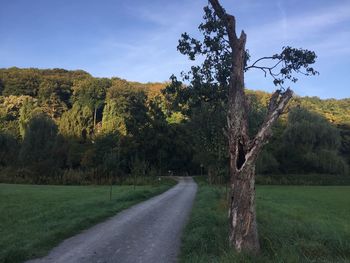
column 266, row 163
column 8, row 149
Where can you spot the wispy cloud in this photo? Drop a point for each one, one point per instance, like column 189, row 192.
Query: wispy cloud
column 148, row 55
column 137, row 39
column 324, row 30
column 309, row 28
column 284, row 21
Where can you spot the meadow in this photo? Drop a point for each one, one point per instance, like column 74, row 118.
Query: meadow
column 35, row 218
column 295, row 223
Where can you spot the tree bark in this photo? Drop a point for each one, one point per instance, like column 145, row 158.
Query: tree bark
column 242, row 214
column 243, row 151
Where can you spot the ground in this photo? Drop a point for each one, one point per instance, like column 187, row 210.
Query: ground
column 148, row 232
column 296, row 224
column 36, row 218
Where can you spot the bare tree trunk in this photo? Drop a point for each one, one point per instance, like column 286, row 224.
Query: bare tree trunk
column 242, row 150
column 242, row 214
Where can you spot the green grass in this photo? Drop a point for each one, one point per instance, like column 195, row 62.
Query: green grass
column 302, row 179
column 296, row 224
column 35, row 218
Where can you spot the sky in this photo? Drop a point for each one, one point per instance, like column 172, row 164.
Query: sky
column 136, row 39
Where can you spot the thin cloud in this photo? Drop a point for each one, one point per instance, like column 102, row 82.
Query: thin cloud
column 303, row 26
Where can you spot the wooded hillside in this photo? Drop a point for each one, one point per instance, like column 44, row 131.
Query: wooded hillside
column 67, row 126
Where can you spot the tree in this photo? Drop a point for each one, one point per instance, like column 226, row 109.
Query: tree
column 112, row 119
column 345, row 145
column 20, row 82
column 125, row 111
column 28, row 110
column 10, row 113
column 311, row 144
column 91, row 92
column 54, row 94
column 210, row 144
column 225, row 60
column 1, row 87
column 8, row 149
column 77, row 122
column 38, row 146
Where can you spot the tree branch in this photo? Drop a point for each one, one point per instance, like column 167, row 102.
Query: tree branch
column 277, row 104
column 260, row 59
column 229, row 22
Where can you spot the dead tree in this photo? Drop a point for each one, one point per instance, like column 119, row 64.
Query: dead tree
column 225, row 62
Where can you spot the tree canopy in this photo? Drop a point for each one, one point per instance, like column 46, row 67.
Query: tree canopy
column 170, row 127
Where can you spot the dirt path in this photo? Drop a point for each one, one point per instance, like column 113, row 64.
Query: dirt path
column 148, row 232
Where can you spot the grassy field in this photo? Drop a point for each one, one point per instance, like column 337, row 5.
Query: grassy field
column 296, row 224
column 35, row 218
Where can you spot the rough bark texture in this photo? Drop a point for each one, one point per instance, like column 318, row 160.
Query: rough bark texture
column 243, row 151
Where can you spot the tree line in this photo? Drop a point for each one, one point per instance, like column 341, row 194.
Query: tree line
column 68, row 127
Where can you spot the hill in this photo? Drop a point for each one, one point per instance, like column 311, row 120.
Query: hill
column 101, row 124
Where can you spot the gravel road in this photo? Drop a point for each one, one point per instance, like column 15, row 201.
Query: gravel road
column 148, row 232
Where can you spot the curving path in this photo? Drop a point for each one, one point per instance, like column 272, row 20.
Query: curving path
column 148, row 232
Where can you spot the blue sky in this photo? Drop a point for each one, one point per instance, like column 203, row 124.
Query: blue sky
column 137, row 39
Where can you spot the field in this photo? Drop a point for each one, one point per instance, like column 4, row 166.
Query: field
column 35, row 218
column 296, row 224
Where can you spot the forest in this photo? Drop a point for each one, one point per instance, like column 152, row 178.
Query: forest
column 68, row 127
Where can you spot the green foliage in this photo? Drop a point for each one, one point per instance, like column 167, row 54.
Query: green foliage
column 54, row 96
column 1, row 87
column 105, row 123
column 37, row 151
column 55, row 86
column 10, row 127
column 310, row 144
column 8, row 149
column 107, row 144
column 210, row 143
column 335, row 111
column 215, row 49
column 16, row 81
column 345, row 141
column 77, row 122
column 28, row 110
column 138, row 168
column 91, row 93
column 112, row 121
column 311, row 130
column 176, row 118
column 293, row 60
column 256, row 113
column 128, row 108
column 205, row 97
column 10, row 111
column 267, row 163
